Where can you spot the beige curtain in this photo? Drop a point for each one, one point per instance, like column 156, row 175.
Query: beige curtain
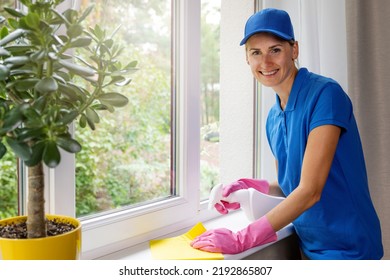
column 368, row 45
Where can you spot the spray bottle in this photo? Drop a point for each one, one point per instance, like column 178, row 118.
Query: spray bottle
column 254, row 203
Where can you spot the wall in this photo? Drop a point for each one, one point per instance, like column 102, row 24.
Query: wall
column 236, row 97
column 368, row 60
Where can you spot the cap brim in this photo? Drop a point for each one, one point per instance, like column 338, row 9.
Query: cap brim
column 276, row 33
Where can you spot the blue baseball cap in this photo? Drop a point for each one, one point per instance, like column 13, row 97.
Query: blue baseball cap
column 269, row 20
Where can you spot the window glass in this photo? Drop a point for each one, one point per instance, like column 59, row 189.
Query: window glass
column 209, row 119
column 127, row 160
column 8, row 164
column 8, row 186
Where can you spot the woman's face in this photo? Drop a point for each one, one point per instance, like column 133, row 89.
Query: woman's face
column 272, row 60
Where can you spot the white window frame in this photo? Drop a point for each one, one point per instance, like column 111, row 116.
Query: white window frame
column 117, row 230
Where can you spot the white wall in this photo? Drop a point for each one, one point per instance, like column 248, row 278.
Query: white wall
column 236, row 96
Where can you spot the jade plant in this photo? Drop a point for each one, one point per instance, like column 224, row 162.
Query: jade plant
column 46, row 85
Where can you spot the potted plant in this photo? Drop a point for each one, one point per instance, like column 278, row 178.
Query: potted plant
column 41, row 95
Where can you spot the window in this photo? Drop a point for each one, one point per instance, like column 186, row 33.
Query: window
column 127, row 160
column 162, row 153
column 9, row 186
column 155, row 149
column 210, row 85
column 8, row 168
column 152, row 159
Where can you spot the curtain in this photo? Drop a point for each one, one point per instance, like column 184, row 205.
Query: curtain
column 368, row 41
column 320, row 29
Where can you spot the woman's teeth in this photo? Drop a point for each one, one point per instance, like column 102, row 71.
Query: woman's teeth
column 269, row 73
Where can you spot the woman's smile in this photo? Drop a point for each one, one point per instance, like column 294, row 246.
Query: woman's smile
column 269, row 73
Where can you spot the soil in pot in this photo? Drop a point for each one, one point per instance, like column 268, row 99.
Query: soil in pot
column 19, row 230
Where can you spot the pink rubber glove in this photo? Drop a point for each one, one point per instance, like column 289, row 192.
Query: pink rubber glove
column 244, row 183
column 225, row 241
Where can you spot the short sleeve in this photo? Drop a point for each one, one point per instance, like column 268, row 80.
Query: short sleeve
column 333, row 107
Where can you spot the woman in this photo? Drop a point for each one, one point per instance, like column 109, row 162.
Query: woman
column 313, row 135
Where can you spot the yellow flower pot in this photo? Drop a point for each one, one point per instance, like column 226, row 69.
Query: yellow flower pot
column 66, row 246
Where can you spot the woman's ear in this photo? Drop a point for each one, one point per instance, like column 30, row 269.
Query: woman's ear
column 295, row 50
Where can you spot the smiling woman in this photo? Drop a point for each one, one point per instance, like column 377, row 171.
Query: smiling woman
column 314, row 138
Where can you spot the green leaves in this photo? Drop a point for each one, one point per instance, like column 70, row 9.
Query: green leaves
column 12, row 119
column 68, row 144
column 4, row 52
column 46, row 85
column 3, row 150
column 77, row 69
column 41, row 92
column 14, row 12
column 4, row 72
column 47, row 151
column 32, row 20
column 22, row 150
column 86, row 13
column 81, row 42
column 51, row 154
column 113, row 98
column 12, row 36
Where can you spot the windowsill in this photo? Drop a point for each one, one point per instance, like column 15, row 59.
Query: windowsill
column 234, row 221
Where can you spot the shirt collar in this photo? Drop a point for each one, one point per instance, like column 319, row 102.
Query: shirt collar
column 292, row 99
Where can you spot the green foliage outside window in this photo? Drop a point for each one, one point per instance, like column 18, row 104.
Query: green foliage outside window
column 8, row 187
column 8, row 167
column 127, row 161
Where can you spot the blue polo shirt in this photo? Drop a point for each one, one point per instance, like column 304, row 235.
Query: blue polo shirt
column 343, row 224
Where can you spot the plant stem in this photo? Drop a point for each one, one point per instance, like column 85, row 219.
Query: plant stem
column 36, row 224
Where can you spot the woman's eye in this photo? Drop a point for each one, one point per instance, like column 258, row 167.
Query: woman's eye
column 255, row 52
column 275, row 50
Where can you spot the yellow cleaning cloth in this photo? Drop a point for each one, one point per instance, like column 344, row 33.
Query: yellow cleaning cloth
column 179, row 248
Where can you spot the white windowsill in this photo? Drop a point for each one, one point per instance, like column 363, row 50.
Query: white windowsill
column 233, row 221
